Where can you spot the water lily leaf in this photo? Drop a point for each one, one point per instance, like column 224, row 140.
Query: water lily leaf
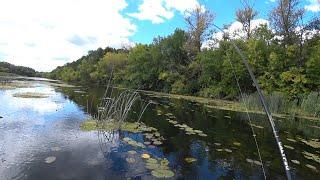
column 147, row 143
column 217, row 144
column 313, row 143
column 311, row 156
column 162, row 173
column 50, row 159
column 132, row 152
column 145, row 156
column 152, row 166
column 229, row 117
column 190, row 159
column 157, row 142
column 295, row 161
column 228, row 150
column 249, row 160
column 236, row 143
column 130, row 160
column 152, row 160
column 311, row 167
column 288, row 147
column 257, row 163
column 56, row 149
column 219, row 150
column 198, row 131
column 292, row 140
column 203, row 135
column 164, row 162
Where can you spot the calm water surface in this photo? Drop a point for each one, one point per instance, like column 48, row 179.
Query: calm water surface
column 33, row 129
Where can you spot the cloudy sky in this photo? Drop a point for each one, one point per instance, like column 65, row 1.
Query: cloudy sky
column 44, row 34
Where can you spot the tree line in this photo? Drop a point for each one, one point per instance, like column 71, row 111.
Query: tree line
column 19, row 70
column 285, row 57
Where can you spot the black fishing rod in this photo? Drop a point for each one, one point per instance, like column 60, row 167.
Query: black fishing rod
column 265, row 107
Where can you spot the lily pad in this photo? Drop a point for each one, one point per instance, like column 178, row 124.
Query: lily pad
column 228, row 150
column 132, row 152
column 50, row 159
column 257, row 162
column 203, row 135
column 164, row 162
column 130, row 160
column 236, row 143
column 311, row 167
column 291, row 140
column 295, row 161
column 217, row 144
column 311, row 156
column 152, row 166
column 162, row 173
column 219, row 150
column 190, row 159
column 288, row 147
column 249, row 160
column 152, row 160
column 145, row 156
column 56, row 149
column 157, row 142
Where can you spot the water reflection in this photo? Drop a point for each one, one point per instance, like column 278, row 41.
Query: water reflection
column 34, row 129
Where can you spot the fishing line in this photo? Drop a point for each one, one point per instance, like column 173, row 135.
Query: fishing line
column 265, row 107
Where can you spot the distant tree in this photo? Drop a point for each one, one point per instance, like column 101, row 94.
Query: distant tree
column 199, row 21
column 285, row 18
column 245, row 17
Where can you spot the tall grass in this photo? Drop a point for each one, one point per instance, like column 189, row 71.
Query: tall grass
column 311, row 104
column 279, row 103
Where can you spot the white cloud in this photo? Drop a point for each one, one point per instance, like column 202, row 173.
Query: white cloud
column 157, row 11
column 235, row 31
column 43, row 34
column 313, row 6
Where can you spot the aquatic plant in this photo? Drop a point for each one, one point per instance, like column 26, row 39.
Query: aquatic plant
column 50, row 159
column 162, row 173
column 190, row 159
column 30, row 95
column 311, row 156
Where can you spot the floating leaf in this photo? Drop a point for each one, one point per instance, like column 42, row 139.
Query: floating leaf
column 56, row 149
column 162, row 173
column 288, row 147
column 130, row 160
column 313, row 143
column 229, row 117
column 132, row 152
column 249, row 160
column 236, row 143
column 311, row 156
column 203, row 135
column 228, row 150
column 152, row 160
column 292, row 140
column 152, row 166
column 164, row 162
column 145, row 156
column 50, row 159
column 257, row 163
column 157, row 142
column 295, row 161
column 311, row 167
column 190, row 159
column 217, row 144
column 219, row 150
column 147, row 143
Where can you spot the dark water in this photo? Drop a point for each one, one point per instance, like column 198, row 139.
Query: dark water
column 33, row 129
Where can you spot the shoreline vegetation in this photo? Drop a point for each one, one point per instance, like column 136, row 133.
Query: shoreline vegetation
column 207, row 102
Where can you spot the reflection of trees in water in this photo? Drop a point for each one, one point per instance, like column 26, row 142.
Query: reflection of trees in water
column 108, row 141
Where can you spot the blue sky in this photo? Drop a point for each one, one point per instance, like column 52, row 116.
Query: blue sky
column 44, row 34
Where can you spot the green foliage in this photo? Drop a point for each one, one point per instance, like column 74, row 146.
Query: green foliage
column 19, row 70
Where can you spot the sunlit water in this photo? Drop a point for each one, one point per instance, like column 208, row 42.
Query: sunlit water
column 33, row 129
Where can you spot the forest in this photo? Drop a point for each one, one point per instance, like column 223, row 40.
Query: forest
column 6, row 68
column 284, row 56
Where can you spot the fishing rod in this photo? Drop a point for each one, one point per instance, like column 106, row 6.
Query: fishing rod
column 264, row 104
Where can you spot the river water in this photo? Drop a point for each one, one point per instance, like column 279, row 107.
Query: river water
column 33, row 129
